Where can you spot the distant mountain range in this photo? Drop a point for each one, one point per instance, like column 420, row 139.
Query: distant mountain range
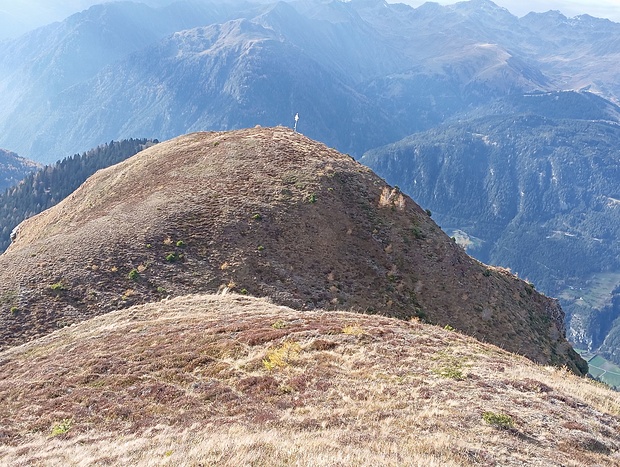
column 360, row 74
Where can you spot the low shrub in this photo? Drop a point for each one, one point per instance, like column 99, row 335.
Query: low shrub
column 62, row 427
column 282, row 356
column 498, row 420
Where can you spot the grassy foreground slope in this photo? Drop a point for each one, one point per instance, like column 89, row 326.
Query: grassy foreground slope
column 234, row 380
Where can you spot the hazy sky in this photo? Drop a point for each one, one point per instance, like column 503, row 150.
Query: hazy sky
column 599, row 8
column 18, row 16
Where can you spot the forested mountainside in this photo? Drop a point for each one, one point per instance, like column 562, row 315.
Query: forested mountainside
column 51, row 184
column 533, row 186
column 13, row 168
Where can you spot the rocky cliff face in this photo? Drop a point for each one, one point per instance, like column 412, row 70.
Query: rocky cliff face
column 266, row 212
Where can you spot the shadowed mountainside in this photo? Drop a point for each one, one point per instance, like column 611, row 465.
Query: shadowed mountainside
column 267, row 212
column 533, row 186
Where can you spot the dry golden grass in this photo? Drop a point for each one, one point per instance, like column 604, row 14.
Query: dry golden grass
column 183, row 382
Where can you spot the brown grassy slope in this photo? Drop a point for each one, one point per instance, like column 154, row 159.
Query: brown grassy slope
column 271, row 212
column 184, row 382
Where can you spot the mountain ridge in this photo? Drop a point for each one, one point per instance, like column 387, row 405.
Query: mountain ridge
column 258, row 211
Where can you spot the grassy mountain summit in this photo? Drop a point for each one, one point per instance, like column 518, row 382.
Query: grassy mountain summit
column 233, row 380
column 267, row 212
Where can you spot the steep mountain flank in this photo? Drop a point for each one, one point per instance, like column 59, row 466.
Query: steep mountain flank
column 533, row 186
column 232, row 380
column 267, row 212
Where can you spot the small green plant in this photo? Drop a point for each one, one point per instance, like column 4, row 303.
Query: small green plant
column 420, row 314
column 62, row 428
column 260, row 248
column 58, row 287
column 243, row 291
column 312, row 198
column 171, row 257
column 447, row 327
column 148, row 245
column 257, row 217
column 161, row 290
column 417, row 233
column 14, row 310
column 180, row 244
column 279, row 324
column 498, row 420
column 428, row 212
column 450, row 367
column 282, row 356
column 133, row 275
column 450, row 372
column 216, row 144
column 486, row 273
